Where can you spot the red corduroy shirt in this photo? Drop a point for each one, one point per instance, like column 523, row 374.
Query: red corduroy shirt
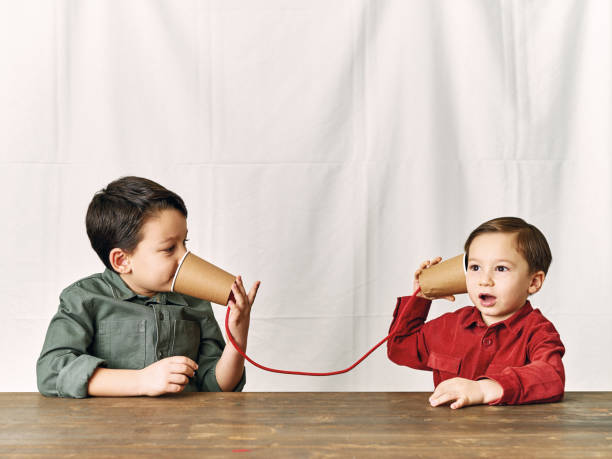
column 522, row 353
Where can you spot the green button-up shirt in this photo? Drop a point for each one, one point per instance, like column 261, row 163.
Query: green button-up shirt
column 102, row 322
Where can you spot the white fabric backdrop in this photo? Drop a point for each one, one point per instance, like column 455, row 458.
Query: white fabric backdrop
column 325, row 148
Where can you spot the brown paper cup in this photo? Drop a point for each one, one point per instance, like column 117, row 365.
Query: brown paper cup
column 445, row 278
column 199, row 278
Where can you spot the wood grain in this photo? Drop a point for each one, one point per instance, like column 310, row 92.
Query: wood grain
column 319, row 424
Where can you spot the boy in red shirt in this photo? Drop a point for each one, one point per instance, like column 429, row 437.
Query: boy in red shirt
column 500, row 351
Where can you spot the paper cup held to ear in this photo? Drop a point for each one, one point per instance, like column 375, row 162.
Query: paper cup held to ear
column 445, row 278
column 201, row 279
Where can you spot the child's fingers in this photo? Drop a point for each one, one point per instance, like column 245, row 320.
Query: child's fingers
column 253, row 292
column 171, row 387
column 426, row 264
column 241, row 286
column 442, row 399
column 441, row 391
column 460, row 402
column 183, row 369
column 238, row 289
column 183, row 360
column 435, row 261
column 176, row 378
column 238, row 297
column 242, row 298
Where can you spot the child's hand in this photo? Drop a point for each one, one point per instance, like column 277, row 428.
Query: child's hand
column 427, row 264
column 464, row 392
column 240, row 304
column 167, row 375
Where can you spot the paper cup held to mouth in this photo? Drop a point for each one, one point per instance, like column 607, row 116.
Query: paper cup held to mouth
column 201, row 279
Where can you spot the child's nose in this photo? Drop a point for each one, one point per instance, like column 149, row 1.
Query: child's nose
column 180, row 253
column 485, row 280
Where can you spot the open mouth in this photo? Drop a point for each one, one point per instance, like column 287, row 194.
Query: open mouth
column 486, row 299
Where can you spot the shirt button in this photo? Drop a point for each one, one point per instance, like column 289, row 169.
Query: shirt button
column 161, row 316
column 487, row 341
column 160, row 354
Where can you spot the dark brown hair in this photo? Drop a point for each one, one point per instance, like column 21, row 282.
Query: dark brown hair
column 116, row 213
column 530, row 242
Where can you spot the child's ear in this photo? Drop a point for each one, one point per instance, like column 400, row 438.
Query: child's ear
column 120, row 261
column 537, row 279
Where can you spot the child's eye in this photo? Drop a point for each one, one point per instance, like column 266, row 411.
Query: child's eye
column 170, row 249
column 474, row 267
column 501, row 269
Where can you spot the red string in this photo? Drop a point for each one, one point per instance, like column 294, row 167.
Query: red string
column 308, row 373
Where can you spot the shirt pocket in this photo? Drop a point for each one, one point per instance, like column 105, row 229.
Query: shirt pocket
column 186, row 339
column 122, row 343
column 447, row 365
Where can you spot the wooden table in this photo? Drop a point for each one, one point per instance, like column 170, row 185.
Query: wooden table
column 319, row 424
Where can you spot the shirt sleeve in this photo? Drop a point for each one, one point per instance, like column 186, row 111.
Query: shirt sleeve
column 408, row 346
column 543, row 379
column 211, row 348
column 64, row 367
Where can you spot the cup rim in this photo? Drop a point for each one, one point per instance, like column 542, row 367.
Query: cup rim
column 178, row 268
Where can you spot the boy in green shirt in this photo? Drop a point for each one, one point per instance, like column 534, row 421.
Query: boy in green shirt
column 122, row 332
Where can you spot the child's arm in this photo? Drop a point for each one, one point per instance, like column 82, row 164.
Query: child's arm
column 65, row 366
column 164, row 376
column 409, row 345
column 543, row 379
column 230, row 367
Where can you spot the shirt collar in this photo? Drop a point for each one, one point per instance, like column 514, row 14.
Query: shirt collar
column 121, row 291
column 514, row 323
